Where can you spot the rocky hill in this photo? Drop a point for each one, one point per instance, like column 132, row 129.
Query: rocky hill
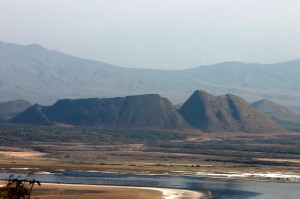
column 141, row 111
column 281, row 115
column 225, row 113
column 12, row 108
column 32, row 115
column 202, row 111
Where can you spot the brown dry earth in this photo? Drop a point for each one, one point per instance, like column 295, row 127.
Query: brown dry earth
column 74, row 191
column 47, row 191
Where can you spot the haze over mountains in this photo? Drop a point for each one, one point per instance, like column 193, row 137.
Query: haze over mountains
column 12, row 108
column 281, row 115
column 39, row 75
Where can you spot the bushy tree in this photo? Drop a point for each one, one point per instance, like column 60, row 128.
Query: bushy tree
column 17, row 189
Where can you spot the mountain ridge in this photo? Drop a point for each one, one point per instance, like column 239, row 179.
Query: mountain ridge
column 202, row 111
column 43, row 76
column 281, row 115
column 11, row 108
column 225, row 113
column 141, row 111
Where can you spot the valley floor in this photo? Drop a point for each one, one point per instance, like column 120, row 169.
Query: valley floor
column 235, row 155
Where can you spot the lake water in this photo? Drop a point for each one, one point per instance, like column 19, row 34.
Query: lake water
column 219, row 187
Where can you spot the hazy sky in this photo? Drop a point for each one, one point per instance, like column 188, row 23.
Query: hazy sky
column 158, row 33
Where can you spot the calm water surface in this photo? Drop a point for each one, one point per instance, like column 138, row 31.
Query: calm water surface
column 220, row 188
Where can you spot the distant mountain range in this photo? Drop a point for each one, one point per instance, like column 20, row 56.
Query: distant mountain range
column 201, row 111
column 281, row 115
column 43, row 76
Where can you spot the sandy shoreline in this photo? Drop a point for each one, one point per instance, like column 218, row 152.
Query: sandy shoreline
column 178, row 194
column 66, row 191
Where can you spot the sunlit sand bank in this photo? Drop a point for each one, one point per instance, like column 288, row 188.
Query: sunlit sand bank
column 77, row 191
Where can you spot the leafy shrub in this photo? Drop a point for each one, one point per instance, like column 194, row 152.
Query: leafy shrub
column 17, row 189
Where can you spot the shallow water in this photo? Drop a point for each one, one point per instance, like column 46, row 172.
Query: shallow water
column 219, row 187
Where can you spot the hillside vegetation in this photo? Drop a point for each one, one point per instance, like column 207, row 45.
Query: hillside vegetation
column 146, row 151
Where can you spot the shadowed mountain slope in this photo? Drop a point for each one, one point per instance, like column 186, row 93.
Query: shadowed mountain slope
column 225, row 113
column 143, row 111
column 32, row 115
column 281, row 115
column 12, row 108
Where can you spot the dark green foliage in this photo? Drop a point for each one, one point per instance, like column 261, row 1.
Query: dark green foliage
column 18, row 134
column 17, row 189
column 244, row 149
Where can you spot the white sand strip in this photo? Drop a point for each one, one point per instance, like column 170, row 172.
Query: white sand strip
column 177, row 193
column 291, row 177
